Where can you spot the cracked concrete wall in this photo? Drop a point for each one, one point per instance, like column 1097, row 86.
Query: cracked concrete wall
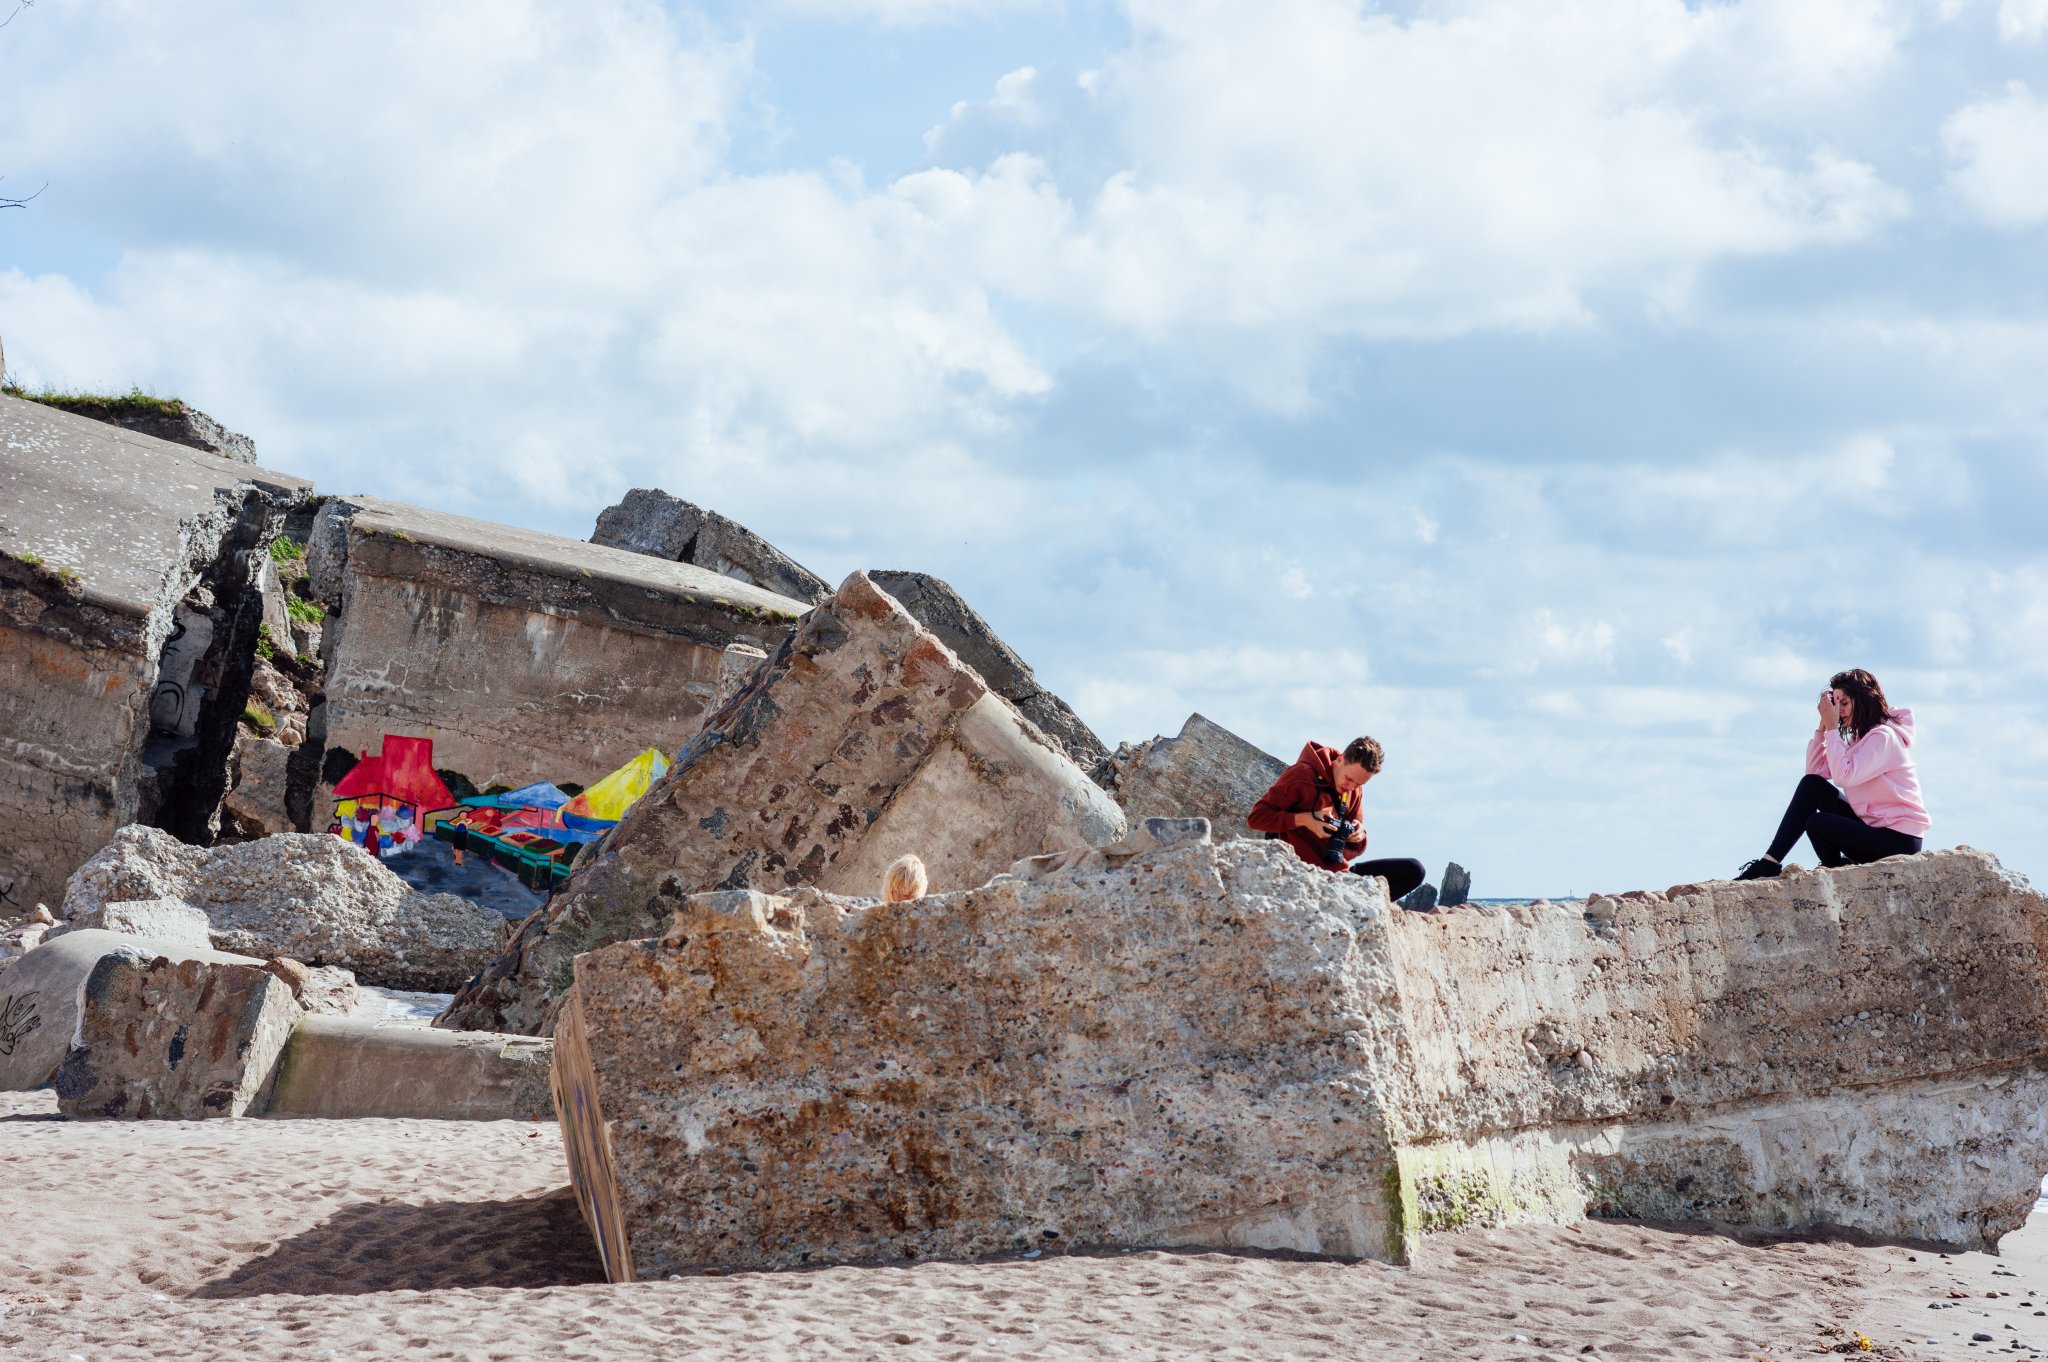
column 524, row 656
column 103, row 532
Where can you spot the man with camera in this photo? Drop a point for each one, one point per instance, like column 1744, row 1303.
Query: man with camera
column 1316, row 805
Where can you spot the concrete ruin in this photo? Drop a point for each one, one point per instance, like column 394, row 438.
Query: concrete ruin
column 523, row 656
column 650, row 521
column 169, row 420
column 861, row 739
column 352, row 1068
column 182, row 1040
column 1205, row 772
column 130, row 605
column 1181, row 1043
column 939, row 608
column 311, row 897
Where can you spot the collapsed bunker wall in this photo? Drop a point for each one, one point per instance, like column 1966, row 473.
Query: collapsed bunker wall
column 128, row 621
column 523, row 656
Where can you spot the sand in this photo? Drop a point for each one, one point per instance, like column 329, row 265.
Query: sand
column 364, row 1239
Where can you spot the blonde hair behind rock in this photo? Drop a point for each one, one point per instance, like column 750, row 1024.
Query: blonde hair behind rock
column 904, row 880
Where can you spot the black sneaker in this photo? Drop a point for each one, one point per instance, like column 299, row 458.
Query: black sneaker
column 1762, row 868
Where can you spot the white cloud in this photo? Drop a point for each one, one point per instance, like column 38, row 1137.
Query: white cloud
column 1998, row 154
column 2022, row 21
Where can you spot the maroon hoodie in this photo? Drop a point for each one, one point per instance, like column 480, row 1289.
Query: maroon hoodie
column 1308, row 786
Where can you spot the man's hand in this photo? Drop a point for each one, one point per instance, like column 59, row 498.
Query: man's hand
column 1318, row 822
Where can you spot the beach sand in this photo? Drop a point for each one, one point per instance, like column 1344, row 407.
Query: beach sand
column 365, row 1239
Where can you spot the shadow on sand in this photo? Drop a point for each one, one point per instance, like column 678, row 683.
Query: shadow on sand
column 528, row 1243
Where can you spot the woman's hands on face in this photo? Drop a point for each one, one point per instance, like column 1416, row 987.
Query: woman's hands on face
column 1829, row 715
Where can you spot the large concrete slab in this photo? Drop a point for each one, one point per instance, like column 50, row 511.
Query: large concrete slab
column 349, row 1068
column 103, row 533
column 524, row 656
column 1195, row 1044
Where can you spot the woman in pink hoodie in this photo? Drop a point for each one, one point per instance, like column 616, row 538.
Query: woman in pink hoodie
column 1862, row 745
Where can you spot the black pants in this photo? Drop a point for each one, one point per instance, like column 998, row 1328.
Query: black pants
column 1839, row 837
column 1403, row 874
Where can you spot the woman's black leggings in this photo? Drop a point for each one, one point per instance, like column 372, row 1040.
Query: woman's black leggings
column 1403, row 874
column 1839, row 837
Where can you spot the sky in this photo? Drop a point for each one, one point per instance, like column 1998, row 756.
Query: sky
column 1557, row 392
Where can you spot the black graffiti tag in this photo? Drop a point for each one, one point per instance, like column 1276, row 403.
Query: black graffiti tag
column 19, row 1015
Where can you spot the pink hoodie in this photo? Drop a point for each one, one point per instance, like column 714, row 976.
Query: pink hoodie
column 1875, row 772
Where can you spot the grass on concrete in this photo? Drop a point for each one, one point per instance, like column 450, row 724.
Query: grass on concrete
column 135, row 402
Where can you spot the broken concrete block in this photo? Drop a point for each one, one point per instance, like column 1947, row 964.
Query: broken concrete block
column 1420, row 899
column 174, row 422
column 127, row 628
column 176, row 1040
column 804, row 1079
column 309, row 896
column 863, row 738
column 343, row 1068
column 939, row 608
column 169, row 920
column 736, row 668
column 1457, row 886
column 650, row 521
column 523, row 656
column 259, row 779
column 1206, row 772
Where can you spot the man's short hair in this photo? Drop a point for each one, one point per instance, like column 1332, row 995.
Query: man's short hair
column 1365, row 752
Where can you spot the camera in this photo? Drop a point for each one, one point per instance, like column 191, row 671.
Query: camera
column 1342, row 830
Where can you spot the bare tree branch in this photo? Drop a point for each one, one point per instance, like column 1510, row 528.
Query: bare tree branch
column 24, row 4
column 6, row 202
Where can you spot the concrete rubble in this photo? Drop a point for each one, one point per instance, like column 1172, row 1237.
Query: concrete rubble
column 355, row 1068
column 861, row 739
column 1205, row 772
column 175, row 1040
column 129, row 613
column 524, row 656
column 650, row 521
column 312, row 897
column 40, row 995
column 175, row 423
column 1175, row 1042
column 939, row 608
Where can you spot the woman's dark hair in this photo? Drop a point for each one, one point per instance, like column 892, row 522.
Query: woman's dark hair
column 1867, row 707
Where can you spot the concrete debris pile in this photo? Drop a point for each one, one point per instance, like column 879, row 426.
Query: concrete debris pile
column 1217, row 1045
column 308, row 896
column 861, row 739
column 650, row 521
column 1205, row 772
column 130, row 609
column 938, row 607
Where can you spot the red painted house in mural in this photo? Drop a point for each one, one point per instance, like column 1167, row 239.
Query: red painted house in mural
column 382, row 803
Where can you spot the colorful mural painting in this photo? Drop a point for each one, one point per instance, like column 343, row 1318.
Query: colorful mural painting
column 389, row 803
column 382, row 803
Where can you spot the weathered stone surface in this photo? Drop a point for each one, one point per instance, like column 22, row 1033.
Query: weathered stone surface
column 184, row 425
column 175, row 1039
column 160, row 919
column 524, row 656
column 863, row 738
column 650, row 521
column 341, row 1068
column 260, row 776
column 939, row 608
column 116, row 549
column 1219, row 1045
column 329, row 990
column 308, row 896
column 1457, row 886
column 1205, row 772
column 39, row 997
column 1420, row 899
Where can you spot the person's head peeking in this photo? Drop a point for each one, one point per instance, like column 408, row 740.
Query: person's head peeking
column 905, row 880
column 1361, row 761
column 1858, row 694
